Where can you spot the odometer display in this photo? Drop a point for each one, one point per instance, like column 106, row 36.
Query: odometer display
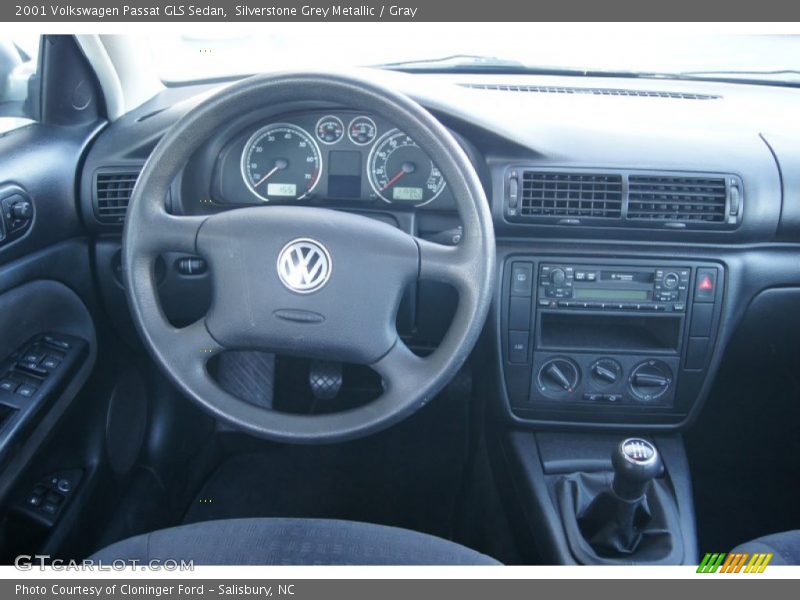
column 281, row 161
column 399, row 170
column 282, row 189
column 414, row 194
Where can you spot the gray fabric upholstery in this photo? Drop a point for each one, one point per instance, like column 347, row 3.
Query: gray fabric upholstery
column 292, row 542
column 785, row 546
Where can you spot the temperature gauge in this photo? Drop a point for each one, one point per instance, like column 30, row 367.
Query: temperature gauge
column 362, row 131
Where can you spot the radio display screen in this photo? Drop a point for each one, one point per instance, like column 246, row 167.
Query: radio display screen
column 609, row 294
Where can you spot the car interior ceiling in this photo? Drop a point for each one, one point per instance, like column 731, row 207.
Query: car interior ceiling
column 645, row 285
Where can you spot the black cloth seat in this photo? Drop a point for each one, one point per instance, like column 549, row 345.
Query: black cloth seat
column 785, row 547
column 291, row 542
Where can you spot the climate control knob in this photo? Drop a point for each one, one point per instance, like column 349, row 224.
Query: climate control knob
column 605, row 372
column 558, row 377
column 650, row 380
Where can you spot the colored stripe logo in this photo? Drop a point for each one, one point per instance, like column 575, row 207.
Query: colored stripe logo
column 735, row 562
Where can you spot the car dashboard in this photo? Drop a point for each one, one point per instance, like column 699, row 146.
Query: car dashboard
column 636, row 221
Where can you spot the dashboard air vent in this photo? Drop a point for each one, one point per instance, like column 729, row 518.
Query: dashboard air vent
column 591, row 91
column 112, row 192
column 683, row 199
column 624, row 198
column 564, row 195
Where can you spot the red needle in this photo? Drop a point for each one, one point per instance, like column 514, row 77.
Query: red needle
column 394, row 179
column 265, row 177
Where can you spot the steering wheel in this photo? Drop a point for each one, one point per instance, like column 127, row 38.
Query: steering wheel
column 307, row 281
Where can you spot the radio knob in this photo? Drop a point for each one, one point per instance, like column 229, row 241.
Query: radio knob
column 671, row 280
column 557, row 276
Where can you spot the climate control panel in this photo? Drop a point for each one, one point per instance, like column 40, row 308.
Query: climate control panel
column 601, row 380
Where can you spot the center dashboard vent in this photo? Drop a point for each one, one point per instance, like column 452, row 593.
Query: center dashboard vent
column 623, row 199
column 698, row 199
column 590, row 91
column 555, row 194
column 112, row 192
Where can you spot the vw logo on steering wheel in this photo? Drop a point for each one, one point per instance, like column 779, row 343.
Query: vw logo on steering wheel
column 304, row 265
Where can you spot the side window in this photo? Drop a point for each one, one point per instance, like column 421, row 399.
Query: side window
column 19, row 92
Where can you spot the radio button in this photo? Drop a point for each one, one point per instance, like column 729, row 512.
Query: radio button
column 558, row 276
column 671, row 280
column 558, row 293
column 591, row 276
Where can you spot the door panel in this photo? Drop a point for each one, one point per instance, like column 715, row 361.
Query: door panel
column 48, row 303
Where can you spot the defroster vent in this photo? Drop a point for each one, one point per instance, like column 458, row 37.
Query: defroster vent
column 112, row 192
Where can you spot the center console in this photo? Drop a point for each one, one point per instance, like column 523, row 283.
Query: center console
column 607, row 341
column 612, row 343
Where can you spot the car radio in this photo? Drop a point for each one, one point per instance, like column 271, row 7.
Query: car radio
column 611, row 287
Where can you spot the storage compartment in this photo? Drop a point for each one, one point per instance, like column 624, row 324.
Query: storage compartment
column 581, row 331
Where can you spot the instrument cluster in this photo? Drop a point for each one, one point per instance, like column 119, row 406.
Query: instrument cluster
column 335, row 157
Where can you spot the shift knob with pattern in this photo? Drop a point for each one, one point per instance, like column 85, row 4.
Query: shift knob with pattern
column 636, row 463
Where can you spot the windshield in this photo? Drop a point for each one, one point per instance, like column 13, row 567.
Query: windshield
column 188, row 57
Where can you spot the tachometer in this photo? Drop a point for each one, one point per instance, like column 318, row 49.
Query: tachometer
column 281, row 162
column 399, row 170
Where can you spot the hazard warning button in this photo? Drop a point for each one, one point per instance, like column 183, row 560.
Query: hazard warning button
column 705, row 285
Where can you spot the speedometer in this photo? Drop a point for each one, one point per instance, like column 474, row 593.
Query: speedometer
column 400, row 171
column 281, row 162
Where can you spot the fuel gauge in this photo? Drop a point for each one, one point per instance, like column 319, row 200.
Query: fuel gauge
column 330, row 129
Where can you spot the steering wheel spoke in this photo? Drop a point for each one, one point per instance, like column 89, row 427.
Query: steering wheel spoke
column 168, row 233
column 446, row 264
column 398, row 366
column 195, row 343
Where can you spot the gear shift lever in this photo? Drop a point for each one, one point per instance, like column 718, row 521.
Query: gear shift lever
column 626, row 516
column 616, row 518
column 636, row 463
